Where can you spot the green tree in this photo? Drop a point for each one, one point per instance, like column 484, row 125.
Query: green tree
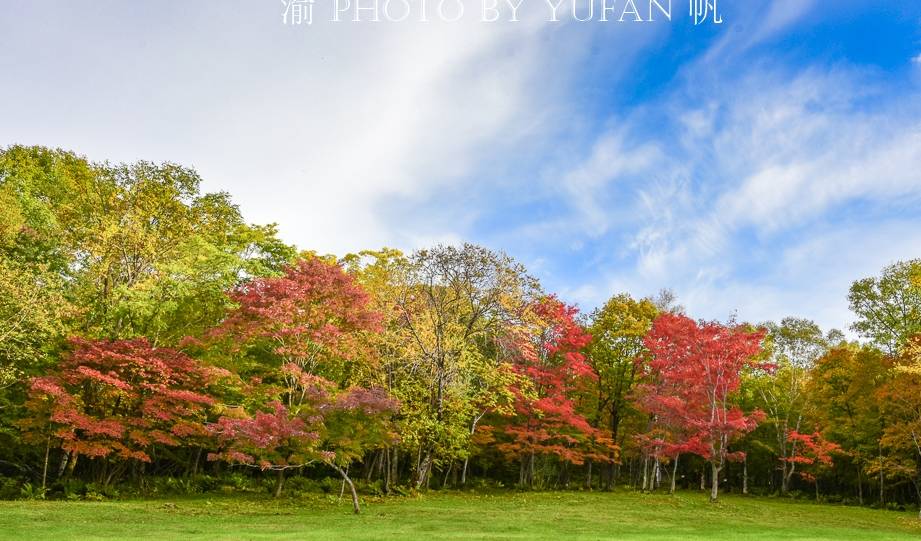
column 32, row 314
column 795, row 345
column 161, row 254
column 617, row 330
column 111, row 251
column 48, row 199
column 447, row 309
column 888, row 308
column 900, row 402
column 136, row 247
column 843, row 388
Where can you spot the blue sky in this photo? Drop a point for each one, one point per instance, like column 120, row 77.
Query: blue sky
column 758, row 166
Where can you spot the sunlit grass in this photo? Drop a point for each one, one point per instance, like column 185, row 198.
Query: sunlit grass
column 533, row 516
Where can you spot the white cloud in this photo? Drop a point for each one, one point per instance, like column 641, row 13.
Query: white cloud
column 803, row 146
column 753, row 25
column 612, row 157
column 319, row 128
column 360, row 135
column 780, row 15
column 811, row 275
column 753, row 178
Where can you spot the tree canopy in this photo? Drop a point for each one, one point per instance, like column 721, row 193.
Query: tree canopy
column 147, row 331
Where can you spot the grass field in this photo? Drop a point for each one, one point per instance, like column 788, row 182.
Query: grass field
column 530, row 516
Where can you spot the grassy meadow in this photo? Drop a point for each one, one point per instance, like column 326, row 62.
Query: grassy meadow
column 526, row 516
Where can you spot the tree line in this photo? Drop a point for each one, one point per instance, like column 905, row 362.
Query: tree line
column 147, row 332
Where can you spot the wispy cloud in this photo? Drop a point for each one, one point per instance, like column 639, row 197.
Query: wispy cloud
column 323, row 129
column 755, row 23
column 780, row 189
column 607, row 157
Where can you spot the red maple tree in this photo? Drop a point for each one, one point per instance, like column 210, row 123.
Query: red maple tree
column 811, row 451
column 548, row 358
column 693, row 372
column 313, row 316
column 120, row 399
column 299, row 337
column 326, row 426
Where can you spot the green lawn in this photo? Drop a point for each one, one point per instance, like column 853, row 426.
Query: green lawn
column 531, row 516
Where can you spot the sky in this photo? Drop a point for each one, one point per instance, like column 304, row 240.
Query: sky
column 756, row 167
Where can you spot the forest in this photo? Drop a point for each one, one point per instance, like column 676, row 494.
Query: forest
column 152, row 341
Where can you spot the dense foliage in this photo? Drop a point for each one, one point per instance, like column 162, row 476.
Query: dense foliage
column 148, row 333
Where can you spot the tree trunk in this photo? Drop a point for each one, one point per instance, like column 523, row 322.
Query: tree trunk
column 62, row 467
column 45, row 468
column 342, row 487
column 786, row 468
column 917, row 483
column 745, row 475
column 560, row 477
column 374, row 465
column 463, row 480
column 279, row 482
column 415, row 480
column 859, row 483
column 630, row 472
column 715, row 483
column 423, row 471
column 703, row 478
column 785, row 480
column 882, row 486
column 114, row 473
column 345, row 477
column 645, row 472
column 531, row 471
column 615, row 429
column 917, row 480
column 444, row 483
column 196, row 462
column 71, row 465
column 101, row 466
column 674, row 474
column 588, row 475
column 386, row 472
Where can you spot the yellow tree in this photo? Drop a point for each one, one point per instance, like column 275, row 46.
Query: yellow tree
column 900, row 400
column 843, row 387
column 795, row 344
column 617, row 330
column 446, row 308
